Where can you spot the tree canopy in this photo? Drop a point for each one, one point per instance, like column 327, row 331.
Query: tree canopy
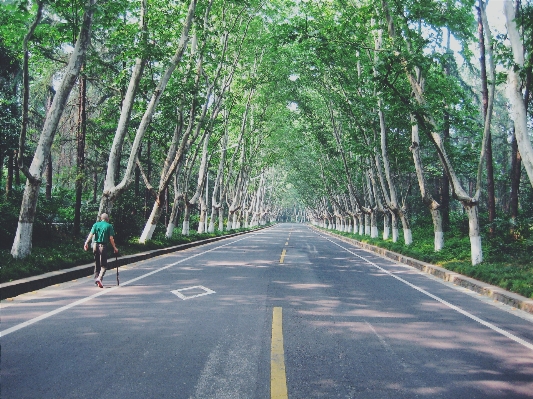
column 350, row 114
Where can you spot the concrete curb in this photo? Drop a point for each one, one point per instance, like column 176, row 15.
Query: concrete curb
column 492, row 291
column 22, row 286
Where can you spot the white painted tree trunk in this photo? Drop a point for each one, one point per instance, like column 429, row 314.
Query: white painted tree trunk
column 361, row 225
column 211, row 228
column 170, row 229
column 473, row 232
column 186, row 217
column 229, row 222
column 203, row 215
column 246, row 216
column 386, row 227
column 374, row 233
column 151, row 223
column 367, row 225
column 407, row 236
column 407, row 233
column 174, row 214
column 437, row 228
column 23, row 238
column 394, row 227
column 221, row 218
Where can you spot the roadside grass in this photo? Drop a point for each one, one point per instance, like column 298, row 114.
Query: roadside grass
column 62, row 252
column 507, row 263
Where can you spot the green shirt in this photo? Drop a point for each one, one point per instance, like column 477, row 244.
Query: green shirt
column 102, row 231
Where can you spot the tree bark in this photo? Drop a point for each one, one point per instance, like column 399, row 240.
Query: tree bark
column 514, row 92
column 49, row 169
column 491, row 200
column 26, row 84
column 49, row 177
column 80, row 160
column 516, row 172
column 9, row 178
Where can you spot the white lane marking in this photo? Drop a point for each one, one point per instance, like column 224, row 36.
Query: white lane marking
column 179, row 294
column 451, row 306
column 107, row 291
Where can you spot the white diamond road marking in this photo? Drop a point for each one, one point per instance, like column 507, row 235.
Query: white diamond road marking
column 180, row 295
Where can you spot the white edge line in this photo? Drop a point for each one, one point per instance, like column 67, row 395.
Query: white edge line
column 451, row 306
column 107, row 291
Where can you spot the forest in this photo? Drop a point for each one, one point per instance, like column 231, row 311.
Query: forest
column 404, row 123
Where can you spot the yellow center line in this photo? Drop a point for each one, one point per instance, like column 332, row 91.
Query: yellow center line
column 278, row 379
column 282, row 256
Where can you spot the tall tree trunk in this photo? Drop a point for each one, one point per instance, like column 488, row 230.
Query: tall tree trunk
column 444, row 182
column 516, row 172
column 95, row 185
column 514, row 91
column 49, row 177
column 137, row 181
column 491, row 200
column 516, row 162
column 147, row 192
column 16, row 170
column 80, row 160
column 221, row 218
column 386, row 225
column 49, row 168
column 26, row 83
column 186, row 215
column 2, row 155
column 174, row 214
column 23, row 237
column 203, row 213
column 9, row 178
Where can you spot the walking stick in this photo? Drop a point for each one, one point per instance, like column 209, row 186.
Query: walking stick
column 116, row 263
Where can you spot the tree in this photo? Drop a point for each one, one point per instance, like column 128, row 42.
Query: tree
column 23, row 238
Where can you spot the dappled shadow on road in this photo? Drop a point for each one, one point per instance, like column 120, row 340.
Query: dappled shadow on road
column 353, row 331
column 350, row 331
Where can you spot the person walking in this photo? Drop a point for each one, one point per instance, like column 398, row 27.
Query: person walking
column 103, row 234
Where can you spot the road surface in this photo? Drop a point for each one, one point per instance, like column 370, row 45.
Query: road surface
column 282, row 312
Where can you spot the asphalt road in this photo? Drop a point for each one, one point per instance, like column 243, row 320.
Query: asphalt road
column 283, row 312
